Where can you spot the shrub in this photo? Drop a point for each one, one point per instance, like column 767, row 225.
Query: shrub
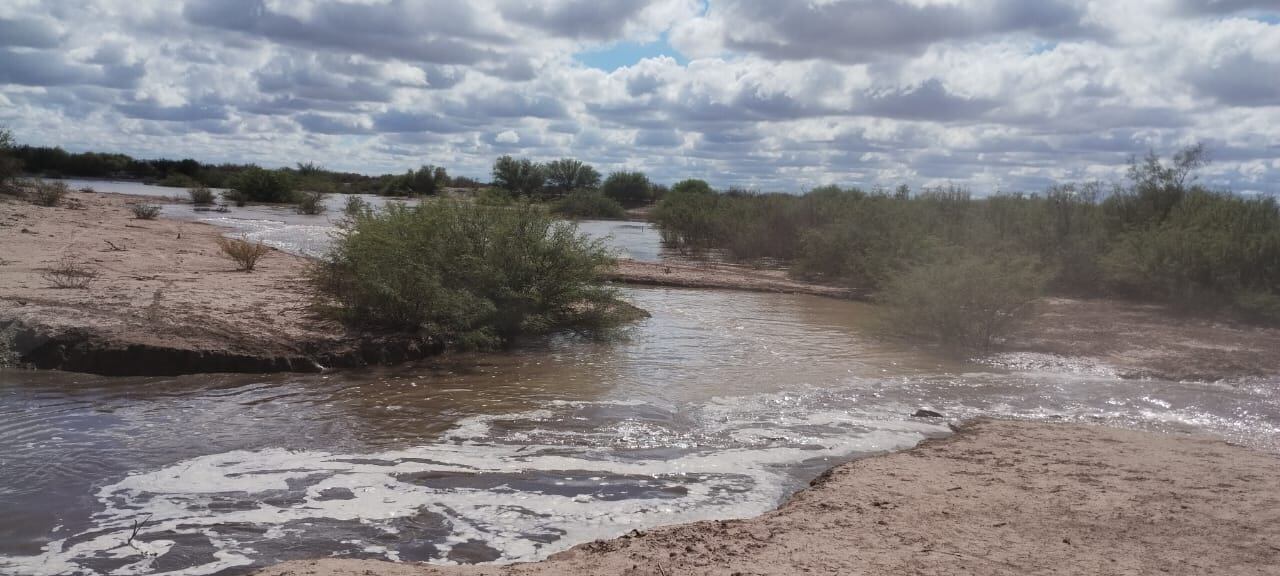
column 355, row 206
column 961, row 300
column 310, row 203
column 567, row 174
column 494, row 197
column 69, row 272
column 235, row 197
column 470, row 275
column 588, row 204
column 258, row 185
column 629, row 189
column 45, row 193
column 200, row 196
column 144, row 211
column 243, row 252
column 10, row 166
column 521, row 177
column 178, row 180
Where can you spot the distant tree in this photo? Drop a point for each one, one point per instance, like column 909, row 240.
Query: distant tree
column 567, row 174
column 692, row 186
column 259, row 185
column 309, row 168
column 523, row 176
column 423, row 180
column 9, row 165
column 628, row 188
column 441, row 178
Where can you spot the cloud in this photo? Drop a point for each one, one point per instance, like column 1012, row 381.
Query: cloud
column 1008, row 94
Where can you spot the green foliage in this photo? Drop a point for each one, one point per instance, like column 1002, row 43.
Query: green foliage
column 567, row 174
column 355, row 206
column 494, row 197
column 200, row 196
column 259, row 185
column 235, row 197
column 310, row 203
column 521, row 177
column 961, row 300
column 588, row 204
column 244, row 253
column 473, row 276
column 179, row 180
column 630, row 189
column 9, row 165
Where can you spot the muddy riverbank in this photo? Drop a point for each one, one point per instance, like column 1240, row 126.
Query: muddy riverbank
column 997, row 497
column 163, row 299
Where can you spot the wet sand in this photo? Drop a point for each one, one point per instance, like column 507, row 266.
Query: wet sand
column 996, row 498
column 720, row 276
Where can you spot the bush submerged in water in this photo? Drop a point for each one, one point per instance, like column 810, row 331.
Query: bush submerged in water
column 588, row 204
column 473, row 276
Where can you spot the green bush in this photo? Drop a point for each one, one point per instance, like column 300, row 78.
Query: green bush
column 588, row 204
column 255, row 184
column 178, row 180
column 200, row 196
column 629, row 189
column 10, row 166
column 355, row 206
column 144, row 210
column 470, row 275
column 961, row 300
column 310, row 203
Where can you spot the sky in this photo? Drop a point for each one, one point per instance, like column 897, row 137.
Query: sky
column 993, row 95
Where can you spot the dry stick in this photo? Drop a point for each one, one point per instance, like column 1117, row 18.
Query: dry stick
column 137, row 526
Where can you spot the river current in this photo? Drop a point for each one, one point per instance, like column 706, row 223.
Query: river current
column 718, row 406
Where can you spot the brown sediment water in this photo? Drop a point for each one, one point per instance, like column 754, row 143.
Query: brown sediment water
column 718, row 406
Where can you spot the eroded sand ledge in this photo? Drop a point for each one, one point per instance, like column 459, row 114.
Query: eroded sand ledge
column 165, row 301
column 998, row 498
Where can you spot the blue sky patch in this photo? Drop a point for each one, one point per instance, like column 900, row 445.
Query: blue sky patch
column 622, row 54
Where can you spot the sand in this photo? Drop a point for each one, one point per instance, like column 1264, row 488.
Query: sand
column 161, row 285
column 996, row 498
column 720, row 276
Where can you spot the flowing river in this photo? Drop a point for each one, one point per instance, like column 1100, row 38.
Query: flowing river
column 718, row 406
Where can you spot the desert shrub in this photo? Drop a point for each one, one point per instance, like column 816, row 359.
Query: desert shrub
column 521, row 177
column 494, row 197
column 629, row 189
column 144, row 210
column 310, row 203
column 588, row 204
column 355, row 206
column 234, row 196
column 45, row 193
column 567, row 174
column 244, row 253
column 961, row 300
column 200, row 195
column 255, row 184
column 178, row 180
column 470, row 275
column 69, row 272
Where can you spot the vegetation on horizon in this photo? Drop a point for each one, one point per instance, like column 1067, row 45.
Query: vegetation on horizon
column 1161, row 237
column 469, row 275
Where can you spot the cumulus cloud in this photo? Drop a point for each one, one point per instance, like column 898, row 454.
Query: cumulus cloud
column 993, row 94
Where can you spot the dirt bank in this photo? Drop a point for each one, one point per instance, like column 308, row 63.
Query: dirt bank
column 996, row 498
column 720, row 276
column 1149, row 341
column 164, row 301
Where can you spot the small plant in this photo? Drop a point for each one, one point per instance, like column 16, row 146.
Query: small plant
column 47, row 193
column 588, row 204
column 88, row 190
column 355, row 206
column 69, row 272
column 144, row 210
column 235, row 197
column 200, row 196
column 243, row 252
column 310, row 203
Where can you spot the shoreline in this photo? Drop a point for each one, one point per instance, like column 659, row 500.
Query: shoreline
column 995, row 497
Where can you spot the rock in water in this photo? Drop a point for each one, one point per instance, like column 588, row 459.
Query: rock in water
column 922, row 413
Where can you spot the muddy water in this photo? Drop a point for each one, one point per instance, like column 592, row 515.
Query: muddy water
column 718, row 406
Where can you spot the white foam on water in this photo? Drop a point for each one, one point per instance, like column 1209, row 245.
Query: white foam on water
column 733, row 478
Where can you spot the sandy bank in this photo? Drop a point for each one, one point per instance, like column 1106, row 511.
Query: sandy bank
column 719, row 276
column 165, row 301
column 998, row 497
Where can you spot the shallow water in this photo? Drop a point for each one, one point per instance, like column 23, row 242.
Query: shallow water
column 718, row 406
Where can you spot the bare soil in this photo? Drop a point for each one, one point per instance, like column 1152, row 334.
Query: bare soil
column 996, row 498
column 164, row 299
column 720, row 276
